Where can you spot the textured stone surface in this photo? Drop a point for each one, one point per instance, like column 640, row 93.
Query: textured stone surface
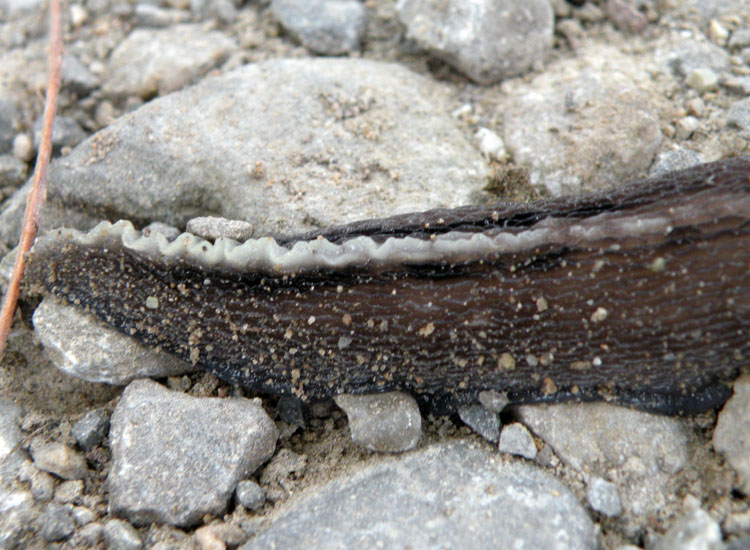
column 385, row 422
column 328, row 27
column 10, row 434
column 486, row 39
column 153, row 62
column 83, row 346
column 732, row 433
column 177, row 458
column 553, row 124
column 404, row 502
column 643, row 450
column 120, row 535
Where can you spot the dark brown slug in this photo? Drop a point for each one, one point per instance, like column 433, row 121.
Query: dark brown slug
column 638, row 295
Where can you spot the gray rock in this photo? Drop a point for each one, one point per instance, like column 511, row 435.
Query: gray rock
column 482, row 420
column 290, row 410
column 56, row 523
column 69, row 492
column 379, row 130
column 740, row 38
column 694, row 531
column 163, row 467
column 494, row 401
column 82, row 515
column 384, row 422
column 8, row 120
column 12, row 171
column 83, row 346
column 487, row 40
column 76, row 77
column 516, row 439
column 732, row 433
column 603, row 497
column 328, row 27
column 677, row 159
column 738, row 84
column 120, row 535
column 739, row 114
column 223, row 10
column 211, row 227
column 702, row 80
column 90, row 430
column 91, row 534
column 449, row 495
column 10, row 433
column 65, row 133
column 690, row 55
column 59, row 459
column 16, row 8
column 42, row 484
column 553, row 124
column 742, row 543
column 636, row 450
column 250, row 494
column 153, row 62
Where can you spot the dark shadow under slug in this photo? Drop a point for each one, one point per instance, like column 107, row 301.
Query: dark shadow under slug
column 639, row 295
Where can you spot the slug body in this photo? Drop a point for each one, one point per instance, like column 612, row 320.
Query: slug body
column 639, row 295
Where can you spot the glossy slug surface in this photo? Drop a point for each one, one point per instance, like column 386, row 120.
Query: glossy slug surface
column 640, row 295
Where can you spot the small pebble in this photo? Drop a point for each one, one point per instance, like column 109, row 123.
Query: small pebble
column 386, row 422
column 738, row 85
column 732, row 433
column 82, row 515
column 92, row 534
column 494, row 400
column 120, row 535
column 677, row 159
column 685, row 127
column 90, row 430
column 740, row 39
column 739, row 114
column 211, row 228
column 702, row 80
column 516, row 440
column 696, row 107
column 207, row 539
column 490, row 144
column 482, row 420
column 718, row 33
column 250, row 494
column 604, row 497
column 69, row 491
column 78, row 15
column 56, row 523
column 59, row 459
column 23, row 148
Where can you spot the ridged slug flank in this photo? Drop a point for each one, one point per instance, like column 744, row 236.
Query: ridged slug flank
column 639, row 295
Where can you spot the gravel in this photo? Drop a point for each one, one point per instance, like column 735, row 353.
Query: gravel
column 387, row 422
column 732, row 433
column 516, row 440
column 90, row 430
column 603, row 497
column 59, row 459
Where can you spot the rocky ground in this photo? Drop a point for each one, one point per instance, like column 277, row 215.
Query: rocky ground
column 297, row 115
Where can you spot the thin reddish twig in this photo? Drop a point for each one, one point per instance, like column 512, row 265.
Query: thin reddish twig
column 38, row 192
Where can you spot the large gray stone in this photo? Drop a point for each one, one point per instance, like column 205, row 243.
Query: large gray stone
column 284, row 144
column 638, row 451
column 176, row 458
column 85, row 347
column 449, row 495
column 153, row 62
column 486, row 39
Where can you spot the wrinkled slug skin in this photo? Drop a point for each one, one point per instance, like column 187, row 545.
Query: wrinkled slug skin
column 638, row 295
